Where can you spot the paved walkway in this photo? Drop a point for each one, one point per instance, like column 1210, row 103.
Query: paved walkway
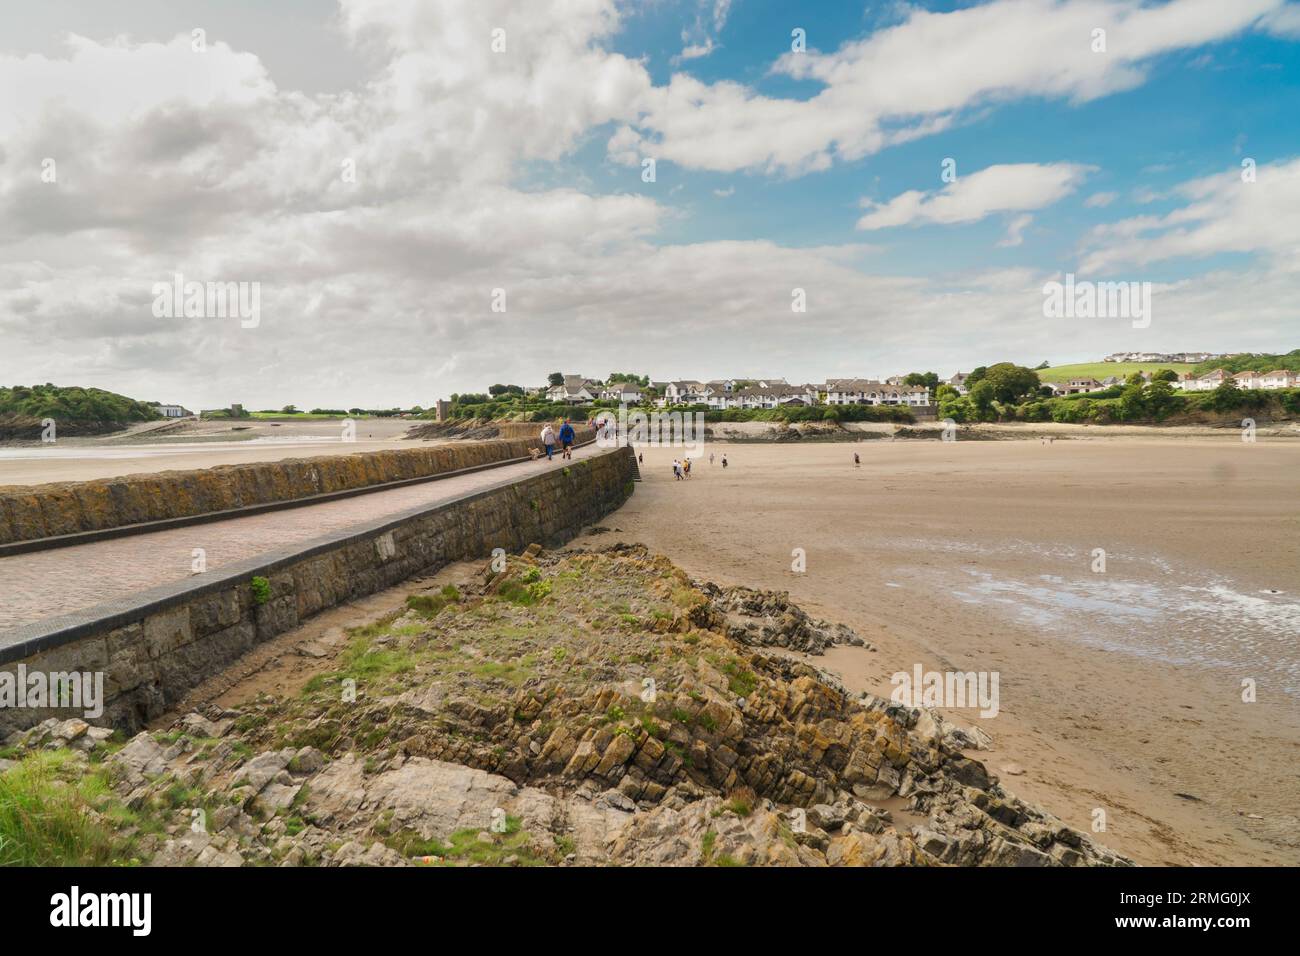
column 45, row 584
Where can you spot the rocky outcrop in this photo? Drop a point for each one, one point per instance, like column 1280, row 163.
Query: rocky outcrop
column 769, row 619
column 591, row 708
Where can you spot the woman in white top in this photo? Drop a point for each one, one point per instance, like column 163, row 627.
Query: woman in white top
column 548, row 439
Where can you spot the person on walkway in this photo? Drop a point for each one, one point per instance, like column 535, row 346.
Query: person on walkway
column 548, row 439
column 566, row 439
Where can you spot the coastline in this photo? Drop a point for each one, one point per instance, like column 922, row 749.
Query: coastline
column 1090, row 724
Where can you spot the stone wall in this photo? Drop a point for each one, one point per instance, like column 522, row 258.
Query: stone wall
column 30, row 512
column 151, row 651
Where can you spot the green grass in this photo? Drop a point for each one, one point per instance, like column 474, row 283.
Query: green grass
column 1101, row 370
column 464, row 846
column 428, row 605
column 45, row 819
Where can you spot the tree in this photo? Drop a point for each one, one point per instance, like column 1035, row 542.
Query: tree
column 1131, row 402
column 555, row 378
column 616, row 377
column 959, row 409
column 1226, row 397
column 928, row 379
column 981, row 396
column 1011, row 384
column 976, row 375
column 289, row 410
column 1041, row 365
column 945, row 392
column 1165, row 375
column 1161, row 398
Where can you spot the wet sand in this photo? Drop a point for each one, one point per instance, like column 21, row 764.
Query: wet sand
column 1120, row 690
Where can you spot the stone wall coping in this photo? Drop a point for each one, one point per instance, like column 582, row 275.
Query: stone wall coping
column 164, row 524
column 26, row 640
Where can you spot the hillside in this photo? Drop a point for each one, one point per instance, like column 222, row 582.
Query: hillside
column 75, row 410
column 1101, row 370
column 1253, row 363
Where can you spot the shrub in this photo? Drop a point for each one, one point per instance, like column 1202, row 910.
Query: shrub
column 261, row 590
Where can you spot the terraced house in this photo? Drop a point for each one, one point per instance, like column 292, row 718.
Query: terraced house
column 864, row 391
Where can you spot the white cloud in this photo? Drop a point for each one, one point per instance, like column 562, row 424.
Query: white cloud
column 378, row 290
column 1284, row 21
column 922, row 75
column 1004, row 188
column 1015, row 231
column 1222, row 214
column 1100, row 200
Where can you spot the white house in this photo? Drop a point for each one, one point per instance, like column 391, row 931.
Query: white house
column 1206, row 383
column 958, row 382
column 625, row 393
column 1279, row 378
column 864, row 391
column 173, row 411
column 1076, row 386
column 576, row 390
column 685, row 392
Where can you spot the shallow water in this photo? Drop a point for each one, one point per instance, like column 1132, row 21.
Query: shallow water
column 1143, row 605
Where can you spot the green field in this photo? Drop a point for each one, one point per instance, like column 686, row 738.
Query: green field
column 1101, row 370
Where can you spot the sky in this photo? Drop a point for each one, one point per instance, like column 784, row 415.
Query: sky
column 432, row 196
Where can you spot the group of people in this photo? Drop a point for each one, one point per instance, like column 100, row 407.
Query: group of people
column 682, row 466
column 565, row 438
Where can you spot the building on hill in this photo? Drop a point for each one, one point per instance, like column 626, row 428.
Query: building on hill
column 865, row 391
column 1205, row 383
column 1077, row 386
column 625, row 393
column 173, row 411
column 1279, row 378
column 685, row 392
column 575, row 390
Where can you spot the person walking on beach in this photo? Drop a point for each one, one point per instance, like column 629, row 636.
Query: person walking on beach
column 724, row 461
column 548, row 439
column 566, row 439
column 857, row 462
column 677, row 470
column 710, row 458
column 686, row 468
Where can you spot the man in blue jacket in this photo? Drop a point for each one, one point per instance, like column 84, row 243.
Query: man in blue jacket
column 566, row 438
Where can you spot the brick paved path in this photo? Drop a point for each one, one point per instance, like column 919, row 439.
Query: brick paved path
column 47, row 583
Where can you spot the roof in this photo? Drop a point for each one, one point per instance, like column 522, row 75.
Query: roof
column 869, row 385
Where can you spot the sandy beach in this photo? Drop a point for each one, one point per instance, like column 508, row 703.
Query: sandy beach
column 1121, row 690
